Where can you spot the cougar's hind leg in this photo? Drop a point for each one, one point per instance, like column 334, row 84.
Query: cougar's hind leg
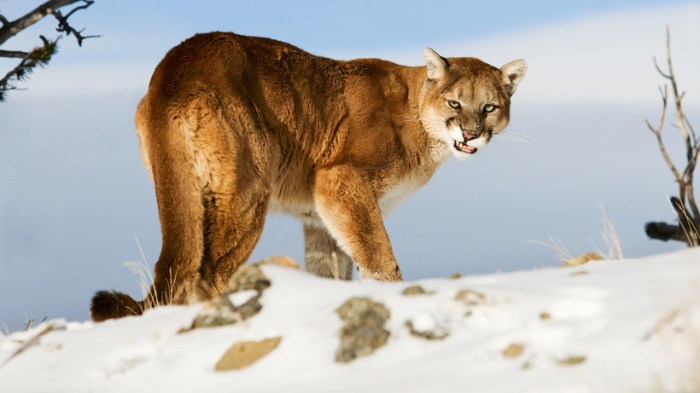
column 322, row 256
column 174, row 163
column 236, row 193
column 232, row 229
column 165, row 138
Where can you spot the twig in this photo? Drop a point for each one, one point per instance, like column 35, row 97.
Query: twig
column 657, row 132
column 32, row 341
column 64, row 27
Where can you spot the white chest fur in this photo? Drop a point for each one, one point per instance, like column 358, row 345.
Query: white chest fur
column 396, row 194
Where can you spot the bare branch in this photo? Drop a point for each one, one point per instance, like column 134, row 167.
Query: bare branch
column 41, row 55
column 658, row 69
column 11, row 29
column 657, row 132
column 13, row 53
column 684, row 205
column 38, row 57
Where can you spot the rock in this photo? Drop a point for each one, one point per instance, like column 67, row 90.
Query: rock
column 221, row 312
column 247, row 277
column 245, row 353
column 578, row 273
column 278, row 260
column 363, row 330
column 414, row 290
column 425, row 326
column 470, row 297
column 573, row 360
column 513, row 350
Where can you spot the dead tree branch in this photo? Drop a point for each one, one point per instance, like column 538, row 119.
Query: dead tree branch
column 684, row 204
column 40, row 55
column 13, row 53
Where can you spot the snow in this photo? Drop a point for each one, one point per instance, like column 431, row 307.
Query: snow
column 622, row 326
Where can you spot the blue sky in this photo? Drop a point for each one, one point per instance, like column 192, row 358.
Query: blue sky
column 75, row 194
column 320, row 26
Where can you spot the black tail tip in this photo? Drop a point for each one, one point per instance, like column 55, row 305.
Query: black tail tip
column 112, row 304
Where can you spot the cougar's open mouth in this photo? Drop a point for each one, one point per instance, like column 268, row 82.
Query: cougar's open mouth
column 463, row 145
column 464, row 148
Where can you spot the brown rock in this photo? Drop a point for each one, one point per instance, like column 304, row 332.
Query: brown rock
column 414, row 290
column 245, row 353
column 279, row 260
column 513, row 350
column 470, row 297
column 573, row 360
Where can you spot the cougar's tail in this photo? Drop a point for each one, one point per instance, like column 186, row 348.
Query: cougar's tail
column 111, row 305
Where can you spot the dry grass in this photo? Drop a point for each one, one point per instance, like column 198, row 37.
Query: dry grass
column 562, row 252
column 691, row 232
column 4, row 330
column 609, row 236
column 142, row 269
column 607, row 233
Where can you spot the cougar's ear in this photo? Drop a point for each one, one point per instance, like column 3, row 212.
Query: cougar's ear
column 436, row 64
column 513, row 73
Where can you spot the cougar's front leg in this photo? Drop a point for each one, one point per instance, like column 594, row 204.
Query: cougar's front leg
column 348, row 207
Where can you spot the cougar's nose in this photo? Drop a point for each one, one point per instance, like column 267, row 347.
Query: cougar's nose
column 471, row 134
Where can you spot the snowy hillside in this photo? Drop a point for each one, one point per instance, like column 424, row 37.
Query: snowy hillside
column 614, row 326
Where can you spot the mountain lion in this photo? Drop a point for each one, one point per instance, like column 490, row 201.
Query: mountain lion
column 233, row 127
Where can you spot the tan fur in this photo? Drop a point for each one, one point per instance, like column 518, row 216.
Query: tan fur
column 233, row 127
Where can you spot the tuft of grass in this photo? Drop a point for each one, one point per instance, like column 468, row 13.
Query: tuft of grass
column 4, row 329
column 562, row 252
column 607, row 233
column 142, row 269
column 609, row 236
column 691, row 232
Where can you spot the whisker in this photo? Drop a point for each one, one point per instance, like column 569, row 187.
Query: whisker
column 517, row 137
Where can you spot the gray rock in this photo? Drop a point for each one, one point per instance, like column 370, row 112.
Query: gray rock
column 363, row 330
column 415, row 290
column 221, row 312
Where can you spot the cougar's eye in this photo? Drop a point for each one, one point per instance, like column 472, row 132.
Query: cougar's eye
column 454, row 104
column 488, row 108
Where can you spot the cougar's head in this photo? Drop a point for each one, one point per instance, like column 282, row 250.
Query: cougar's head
column 464, row 101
